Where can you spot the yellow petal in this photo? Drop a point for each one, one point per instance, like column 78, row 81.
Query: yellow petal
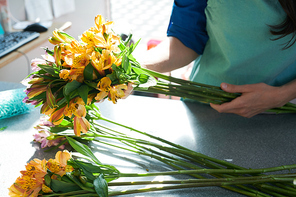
column 62, row 157
column 77, row 126
column 101, row 95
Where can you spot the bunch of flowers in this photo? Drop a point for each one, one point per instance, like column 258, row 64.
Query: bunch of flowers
column 77, row 73
column 87, row 176
column 250, row 182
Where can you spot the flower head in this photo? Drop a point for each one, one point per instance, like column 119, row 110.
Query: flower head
column 31, row 182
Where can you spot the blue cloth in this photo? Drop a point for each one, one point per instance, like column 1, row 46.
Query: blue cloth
column 11, row 103
column 1, row 30
column 188, row 23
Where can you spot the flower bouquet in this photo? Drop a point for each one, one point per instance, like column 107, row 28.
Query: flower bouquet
column 72, row 78
column 87, row 176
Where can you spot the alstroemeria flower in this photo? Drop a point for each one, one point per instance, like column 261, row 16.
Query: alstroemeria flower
column 45, row 138
column 35, row 90
column 104, row 86
column 80, row 125
column 65, row 74
column 101, row 25
column 35, row 62
column 57, row 116
column 30, row 183
column 116, row 92
column 59, row 164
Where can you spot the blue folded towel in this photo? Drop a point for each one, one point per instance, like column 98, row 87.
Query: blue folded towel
column 11, row 103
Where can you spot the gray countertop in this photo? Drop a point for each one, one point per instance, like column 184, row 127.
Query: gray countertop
column 266, row 140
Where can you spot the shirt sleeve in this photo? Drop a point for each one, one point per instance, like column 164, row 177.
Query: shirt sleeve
column 188, row 24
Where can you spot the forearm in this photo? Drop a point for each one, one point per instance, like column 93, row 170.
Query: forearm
column 288, row 91
column 169, row 55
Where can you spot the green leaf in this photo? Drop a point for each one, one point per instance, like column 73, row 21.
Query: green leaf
column 121, row 47
column 127, row 41
column 133, row 47
column 83, row 149
column 50, row 52
column 58, row 129
column 91, row 84
column 61, row 186
column 49, row 69
column 126, row 65
column 97, row 49
column 88, row 169
column 47, row 180
column 83, row 92
column 3, row 128
column 101, row 186
column 72, row 86
column 88, row 72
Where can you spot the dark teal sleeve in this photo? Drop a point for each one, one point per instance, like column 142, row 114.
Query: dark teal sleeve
column 188, row 24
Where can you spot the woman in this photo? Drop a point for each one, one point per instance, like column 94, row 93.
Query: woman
column 245, row 46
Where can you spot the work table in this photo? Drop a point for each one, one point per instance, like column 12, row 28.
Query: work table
column 266, row 140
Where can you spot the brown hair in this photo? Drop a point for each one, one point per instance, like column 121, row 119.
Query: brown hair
column 288, row 26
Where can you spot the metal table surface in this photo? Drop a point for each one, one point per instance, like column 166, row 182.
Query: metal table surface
column 266, row 140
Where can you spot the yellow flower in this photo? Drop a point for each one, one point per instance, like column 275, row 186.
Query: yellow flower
column 81, row 124
column 57, row 116
column 46, row 189
column 75, row 107
column 45, row 109
column 90, row 98
column 60, row 37
column 88, row 38
column 117, row 92
column 104, row 86
column 30, row 183
column 62, row 157
column 65, row 74
column 101, row 25
column 32, row 179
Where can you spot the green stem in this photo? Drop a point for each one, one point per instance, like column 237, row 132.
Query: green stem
column 73, row 193
column 177, row 80
column 195, row 175
column 182, row 186
column 279, row 190
column 208, row 182
column 190, row 87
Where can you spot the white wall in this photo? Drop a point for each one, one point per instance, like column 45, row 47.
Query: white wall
column 81, row 19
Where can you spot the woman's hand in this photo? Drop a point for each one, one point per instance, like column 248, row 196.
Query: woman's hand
column 255, row 98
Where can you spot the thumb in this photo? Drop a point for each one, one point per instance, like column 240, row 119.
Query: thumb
column 234, row 88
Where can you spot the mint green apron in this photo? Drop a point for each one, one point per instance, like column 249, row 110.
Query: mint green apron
column 240, row 49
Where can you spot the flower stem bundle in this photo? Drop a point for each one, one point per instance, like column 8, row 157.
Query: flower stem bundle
column 199, row 170
column 203, row 93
